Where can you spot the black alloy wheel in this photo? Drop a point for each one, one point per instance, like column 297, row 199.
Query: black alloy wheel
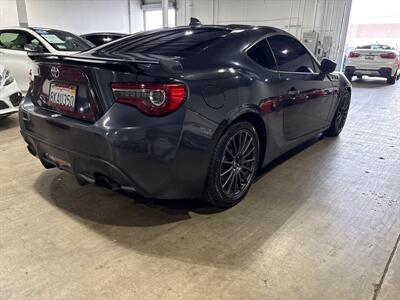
column 238, row 163
column 233, row 166
column 342, row 112
column 340, row 117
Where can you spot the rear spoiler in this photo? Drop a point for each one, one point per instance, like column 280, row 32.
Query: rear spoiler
column 168, row 65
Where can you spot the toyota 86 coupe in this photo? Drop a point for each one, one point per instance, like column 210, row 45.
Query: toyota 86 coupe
column 185, row 112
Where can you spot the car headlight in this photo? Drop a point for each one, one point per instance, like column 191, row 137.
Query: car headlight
column 9, row 80
column 6, row 76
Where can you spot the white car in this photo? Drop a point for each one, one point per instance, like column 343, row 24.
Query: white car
column 15, row 43
column 374, row 60
column 10, row 95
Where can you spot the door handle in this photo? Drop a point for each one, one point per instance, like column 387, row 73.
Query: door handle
column 293, row 92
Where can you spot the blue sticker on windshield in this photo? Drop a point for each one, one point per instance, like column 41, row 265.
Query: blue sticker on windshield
column 41, row 31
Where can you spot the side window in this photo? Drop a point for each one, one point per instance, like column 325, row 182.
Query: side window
column 7, row 39
column 291, row 55
column 261, row 54
column 15, row 40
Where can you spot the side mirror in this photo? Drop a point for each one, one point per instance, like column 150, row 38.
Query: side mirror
column 33, row 48
column 327, row 66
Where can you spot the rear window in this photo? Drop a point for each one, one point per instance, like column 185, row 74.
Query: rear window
column 376, row 47
column 101, row 39
column 64, row 41
column 177, row 42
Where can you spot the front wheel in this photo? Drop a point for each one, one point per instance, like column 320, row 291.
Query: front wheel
column 339, row 119
column 233, row 165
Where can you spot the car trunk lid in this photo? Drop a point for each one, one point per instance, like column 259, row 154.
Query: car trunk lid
column 79, row 86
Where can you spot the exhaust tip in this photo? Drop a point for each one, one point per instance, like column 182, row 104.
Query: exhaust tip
column 107, row 183
column 84, row 179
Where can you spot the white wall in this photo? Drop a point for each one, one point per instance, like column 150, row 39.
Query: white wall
column 295, row 16
column 137, row 22
column 78, row 16
column 8, row 13
column 328, row 17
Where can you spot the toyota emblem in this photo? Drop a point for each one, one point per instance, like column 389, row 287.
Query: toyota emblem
column 55, row 72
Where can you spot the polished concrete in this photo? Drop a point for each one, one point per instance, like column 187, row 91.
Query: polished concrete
column 321, row 223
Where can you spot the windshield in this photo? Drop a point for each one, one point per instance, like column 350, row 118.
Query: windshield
column 64, row 41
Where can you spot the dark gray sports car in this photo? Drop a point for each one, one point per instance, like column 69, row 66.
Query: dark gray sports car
column 183, row 112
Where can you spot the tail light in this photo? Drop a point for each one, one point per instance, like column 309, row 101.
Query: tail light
column 155, row 99
column 354, row 54
column 388, row 55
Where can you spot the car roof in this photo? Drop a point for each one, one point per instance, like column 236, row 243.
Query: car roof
column 231, row 27
column 237, row 37
column 243, row 27
column 27, row 28
column 105, row 33
column 15, row 28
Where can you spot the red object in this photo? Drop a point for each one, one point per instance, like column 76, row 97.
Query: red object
column 354, row 54
column 388, row 55
column 266, row 106
column 30, row 76
column 140, row 94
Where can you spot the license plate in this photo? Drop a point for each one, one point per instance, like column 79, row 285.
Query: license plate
column 62, row 96
column 369, row 57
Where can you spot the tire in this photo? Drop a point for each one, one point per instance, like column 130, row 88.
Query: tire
column 391, row 79
column 233, row 166
column 340, row 116
column 348, row 75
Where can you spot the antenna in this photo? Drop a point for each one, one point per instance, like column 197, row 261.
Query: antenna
column 194, row 22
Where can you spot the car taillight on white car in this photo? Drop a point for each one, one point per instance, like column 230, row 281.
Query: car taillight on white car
column 155, row 99
column 6, row 78
column 354, row 54
column 390, row 55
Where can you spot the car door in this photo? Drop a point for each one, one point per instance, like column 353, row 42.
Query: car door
column 307, row 94
column 14, row 57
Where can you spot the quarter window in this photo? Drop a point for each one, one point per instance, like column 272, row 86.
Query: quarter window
column 261, row 54
column 291, row 55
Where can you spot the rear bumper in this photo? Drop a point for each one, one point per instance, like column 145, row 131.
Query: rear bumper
column 380, row 72
column 166, row 158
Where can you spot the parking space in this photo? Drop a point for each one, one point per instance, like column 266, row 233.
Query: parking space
column 322, row 220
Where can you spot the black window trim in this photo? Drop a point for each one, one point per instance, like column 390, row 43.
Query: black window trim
column 254, row 44
column 308, row 51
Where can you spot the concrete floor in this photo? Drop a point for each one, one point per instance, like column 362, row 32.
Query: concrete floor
column 322, row 223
